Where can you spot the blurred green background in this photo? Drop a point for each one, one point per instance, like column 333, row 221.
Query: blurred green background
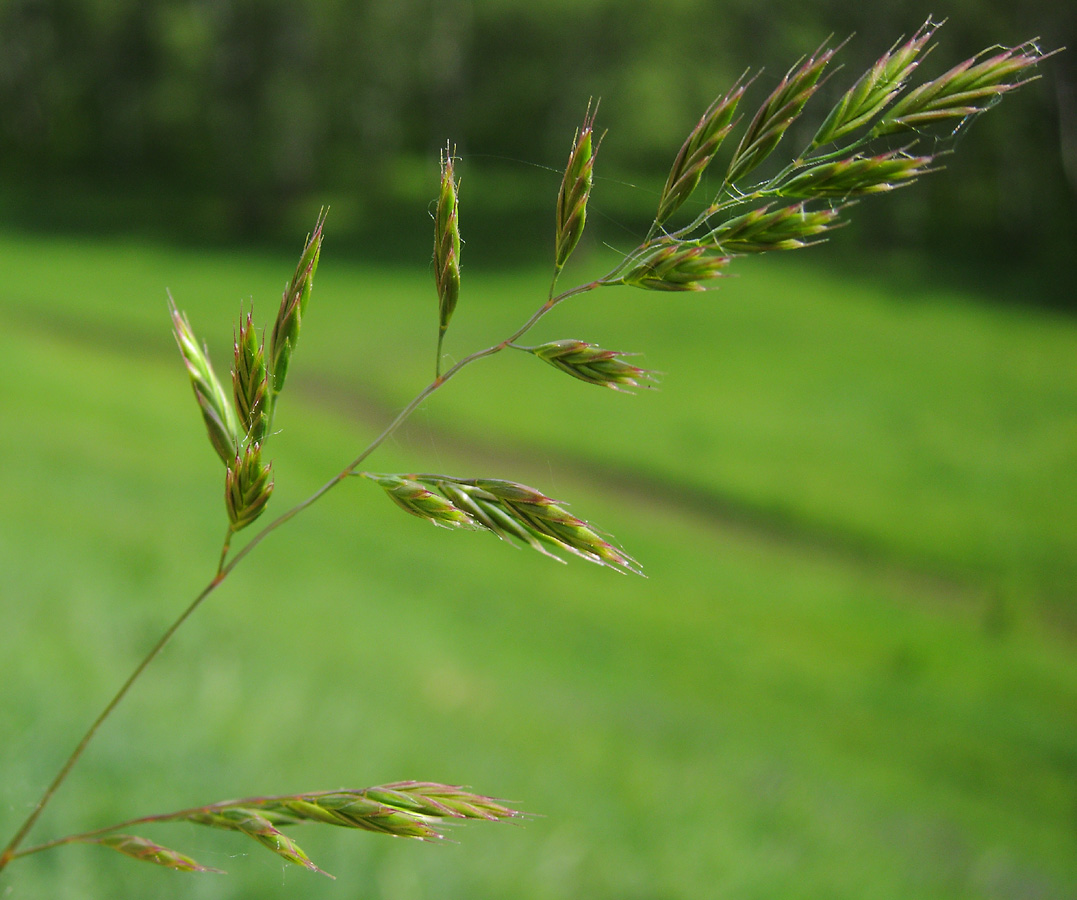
column 851, row 672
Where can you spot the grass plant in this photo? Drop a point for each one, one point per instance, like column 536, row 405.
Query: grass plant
column 848, row 158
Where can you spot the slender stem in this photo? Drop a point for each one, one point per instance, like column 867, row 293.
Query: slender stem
column 85, row 835
column 224, row 549
column 9, row 851
column 437, row 361
column 225, row 568
column 148, row 820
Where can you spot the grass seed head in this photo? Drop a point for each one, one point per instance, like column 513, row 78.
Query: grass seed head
column 247, row 487
column 673, row 265
column 592, row 364
column 966, row 90
column 357, row 810
column 510, row 510
column 292, row 307
column 697, row 152
column 575, row 190
column 146, row 850
column 417, row 499
column 250, row 381
column 408, row 809
column 857, row 176
column 765, row 229
column 447, row 242
column 220, row 419
column 544, row 518
column 486, row 512
column 440, row 801
column 257, row 826
column 778, row 112
column 876, row 88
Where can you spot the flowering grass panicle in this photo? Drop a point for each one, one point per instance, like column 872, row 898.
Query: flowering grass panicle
column 793, row 208
column 419, row 810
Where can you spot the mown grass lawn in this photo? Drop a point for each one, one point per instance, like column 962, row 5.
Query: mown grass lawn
column 850, row 673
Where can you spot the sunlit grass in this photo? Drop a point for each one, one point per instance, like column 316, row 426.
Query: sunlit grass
column 768, row 715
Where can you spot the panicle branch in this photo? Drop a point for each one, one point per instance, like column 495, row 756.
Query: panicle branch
column 239, row 425
column 738, row 221
column 407, row 809
column 510, row 510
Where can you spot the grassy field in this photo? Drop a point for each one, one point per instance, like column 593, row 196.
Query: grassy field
column 850, row 674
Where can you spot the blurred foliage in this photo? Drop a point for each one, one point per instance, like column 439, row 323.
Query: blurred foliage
column 233, row 119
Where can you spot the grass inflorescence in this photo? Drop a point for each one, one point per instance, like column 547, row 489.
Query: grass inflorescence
column 794, row 208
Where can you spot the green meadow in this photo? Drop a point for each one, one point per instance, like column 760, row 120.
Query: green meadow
column 850, row 673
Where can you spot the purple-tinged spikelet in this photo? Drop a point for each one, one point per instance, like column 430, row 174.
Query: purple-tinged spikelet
column 777, row 113
column 148, row 851
column 447, row 242
column 292, row 307
column 225, row 433
column 575, row 191
column 876, row 88
column 247, row 487
column 672, row 265
column 697, row 152
column 250, row 381
column 590, row 363
column 964, row 91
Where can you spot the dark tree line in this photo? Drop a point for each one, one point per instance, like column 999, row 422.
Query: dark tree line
column 237, row 118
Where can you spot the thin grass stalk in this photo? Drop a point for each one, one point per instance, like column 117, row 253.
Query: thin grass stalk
column 20, row 835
